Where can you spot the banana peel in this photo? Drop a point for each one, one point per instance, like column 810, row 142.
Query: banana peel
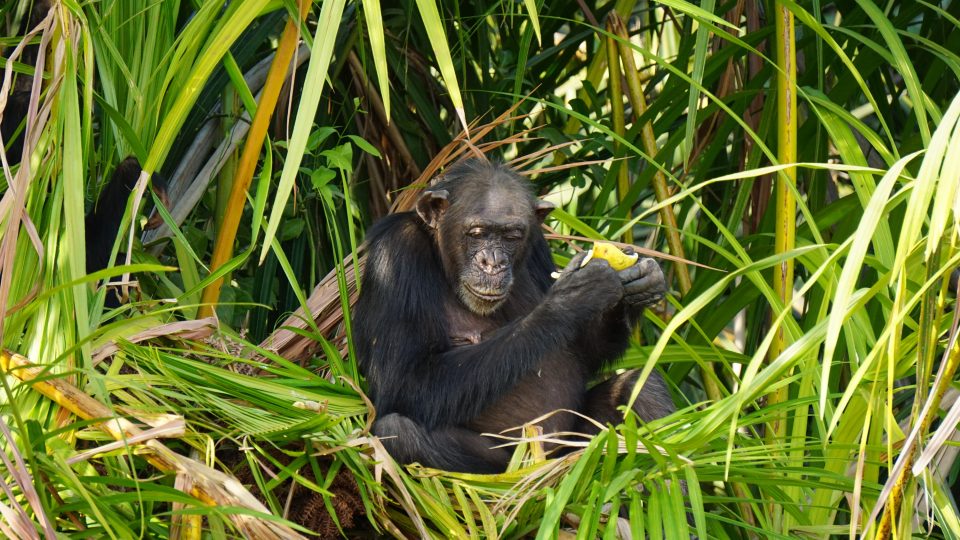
column 617, row 259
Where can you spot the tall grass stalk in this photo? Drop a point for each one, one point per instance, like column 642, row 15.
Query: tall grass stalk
column 227, row 234
column 785, row 215
column 639, row 102
column 617, row 116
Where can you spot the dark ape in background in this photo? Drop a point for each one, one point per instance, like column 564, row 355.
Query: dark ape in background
column 461, row 331
column 102, row 223
column 11, row 126
column 12, row 121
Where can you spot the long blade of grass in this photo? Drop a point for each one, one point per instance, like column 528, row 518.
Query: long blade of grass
column 217, row 488
column 925, row 185
column 219, row 44
column 378, row 49
column 438, row 41
column 872, row 217
column 903, row 63
column 323, row 42
column 699, row 65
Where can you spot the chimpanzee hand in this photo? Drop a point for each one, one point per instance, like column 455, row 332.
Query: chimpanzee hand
column 643, row 284
column 588, row 291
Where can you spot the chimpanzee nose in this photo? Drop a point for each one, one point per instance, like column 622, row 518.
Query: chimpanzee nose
column 493, row 263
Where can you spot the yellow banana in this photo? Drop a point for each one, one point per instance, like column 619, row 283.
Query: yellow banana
column 602, row 250
column 618, row 260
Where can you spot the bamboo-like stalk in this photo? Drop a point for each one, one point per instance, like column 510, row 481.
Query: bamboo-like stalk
column 619, row 126
column 659, row 181
column 786, row 207
column 223, row 247
column 786, row 210
column 210, row 486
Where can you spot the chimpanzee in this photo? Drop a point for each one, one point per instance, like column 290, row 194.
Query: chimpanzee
column 11, row 129
column 12, row 120
column 102, row 223
column 460, row 329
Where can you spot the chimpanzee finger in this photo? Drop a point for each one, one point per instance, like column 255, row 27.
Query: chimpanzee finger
column 576, row 261
column 653, row 294
column 573, row 265
column 646, row 285
column 630, row 273
column 644, row 299
column 649, row 278
column 643, row 267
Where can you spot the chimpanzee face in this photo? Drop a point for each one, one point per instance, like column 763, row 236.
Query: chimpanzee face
column 482, row 236
column 492, row 238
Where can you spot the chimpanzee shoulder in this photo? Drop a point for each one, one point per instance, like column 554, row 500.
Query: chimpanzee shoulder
column 397, row 313
column 402, row 267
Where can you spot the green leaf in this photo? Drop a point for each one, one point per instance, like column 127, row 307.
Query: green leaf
column 321, row 176
column 340, row 157
column 378, row 49
column 323, row 43
column 364, row 145
column 210, row 58
column 699, row 65
column 902, row 62
column 531, row 6
column 873, row 215
column 438, row 42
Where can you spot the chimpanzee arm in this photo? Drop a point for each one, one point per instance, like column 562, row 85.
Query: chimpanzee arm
column 402, row 343
column 604, row 340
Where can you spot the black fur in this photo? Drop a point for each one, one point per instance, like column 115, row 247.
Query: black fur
column 11, row 128
column 103, row 221
column 437, row 392
column 12, row 123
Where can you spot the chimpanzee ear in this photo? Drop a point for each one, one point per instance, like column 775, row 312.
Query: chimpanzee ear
column 543, row 209
column 432, row 205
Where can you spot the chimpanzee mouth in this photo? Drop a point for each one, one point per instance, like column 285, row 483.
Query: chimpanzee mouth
column 487, row 295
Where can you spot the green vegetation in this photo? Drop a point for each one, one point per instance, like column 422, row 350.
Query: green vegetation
column 799, row 160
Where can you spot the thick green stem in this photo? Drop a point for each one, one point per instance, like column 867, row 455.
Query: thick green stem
column 595, row 70
column 619, row 126
column 786, row 211
column 786, row 206
column 639, row 102
column 659, row 181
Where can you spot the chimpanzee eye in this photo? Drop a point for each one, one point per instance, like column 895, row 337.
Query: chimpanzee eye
column 475, row 232
column 513, row 234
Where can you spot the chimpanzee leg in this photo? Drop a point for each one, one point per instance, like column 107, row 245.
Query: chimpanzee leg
column 603, row 399
column 450, row 449
column 653, row 402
